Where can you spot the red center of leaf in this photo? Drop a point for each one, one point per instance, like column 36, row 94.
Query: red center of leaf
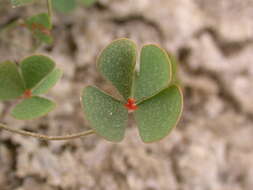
column 131, row 105
column 36, row 26
column 27, row 94
column 40, row 27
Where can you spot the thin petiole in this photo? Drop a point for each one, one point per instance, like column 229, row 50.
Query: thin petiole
column 50, row 9
column 45, row 137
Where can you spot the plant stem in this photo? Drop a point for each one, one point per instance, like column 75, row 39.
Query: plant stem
column 45, row 137
column 50, row 9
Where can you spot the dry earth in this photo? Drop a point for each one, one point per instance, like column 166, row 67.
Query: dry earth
column 212, row 147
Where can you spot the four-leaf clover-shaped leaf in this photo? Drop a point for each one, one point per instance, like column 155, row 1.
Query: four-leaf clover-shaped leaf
column 33, row 76
column 151, row 93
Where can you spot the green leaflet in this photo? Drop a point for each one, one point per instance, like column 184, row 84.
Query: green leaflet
column 116, row 63
column 11, row 83
column 158, row 115
column 107, row 116
column 35, row 68
column 159, row 99
column 32, row 108
column 155, row 72
column 48, row 82
column 64, row 6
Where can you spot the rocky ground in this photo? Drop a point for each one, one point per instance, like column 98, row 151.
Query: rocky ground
column 212, row 147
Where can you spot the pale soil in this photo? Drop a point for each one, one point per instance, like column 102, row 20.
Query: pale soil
column 212, row 147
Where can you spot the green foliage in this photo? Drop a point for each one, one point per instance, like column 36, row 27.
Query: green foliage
column 160, row 102
column 34, row 75
column 117, row 63
column 155, row 72
column 152, row 92
column 11, row 84
column 64, row 6
column 48, row 82
column 40, row 25
column 35, row 68
column 107, row 115
column 159, row 114
column 17, row 3
column 32, row 108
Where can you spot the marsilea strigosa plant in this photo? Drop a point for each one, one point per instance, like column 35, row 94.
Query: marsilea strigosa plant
column 151, row 94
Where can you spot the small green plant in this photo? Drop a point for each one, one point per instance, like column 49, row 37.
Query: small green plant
column 152, row 93
column 155, row 100
column 40, row 25
column 29, row 79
